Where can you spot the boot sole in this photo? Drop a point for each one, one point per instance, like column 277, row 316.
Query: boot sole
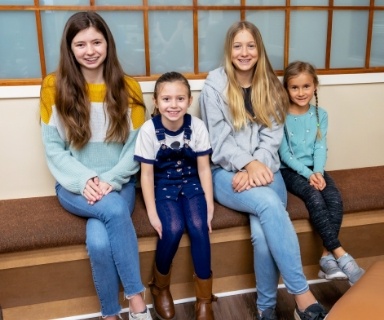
column 160, row 318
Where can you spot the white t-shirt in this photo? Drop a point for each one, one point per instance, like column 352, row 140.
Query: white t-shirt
column 147, row 144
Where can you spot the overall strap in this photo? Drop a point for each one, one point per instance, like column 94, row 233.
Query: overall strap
column 187, row 127
column 159, row 129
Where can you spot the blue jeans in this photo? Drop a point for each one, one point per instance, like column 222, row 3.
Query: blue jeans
column 111, row 243
column 275, row 243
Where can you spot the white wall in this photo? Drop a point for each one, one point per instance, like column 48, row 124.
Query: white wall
column 356, row 134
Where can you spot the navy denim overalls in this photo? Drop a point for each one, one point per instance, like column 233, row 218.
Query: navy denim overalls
column 180, row 201
column 175, row 169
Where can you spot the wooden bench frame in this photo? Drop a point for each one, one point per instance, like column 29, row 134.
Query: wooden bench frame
column 57, row 282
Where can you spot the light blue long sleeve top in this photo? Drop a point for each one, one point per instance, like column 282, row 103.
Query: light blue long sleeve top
column 300, row 150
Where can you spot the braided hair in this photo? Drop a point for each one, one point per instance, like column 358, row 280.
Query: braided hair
column 318, row 134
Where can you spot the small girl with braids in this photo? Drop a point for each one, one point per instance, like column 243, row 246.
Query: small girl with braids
column 303, row 154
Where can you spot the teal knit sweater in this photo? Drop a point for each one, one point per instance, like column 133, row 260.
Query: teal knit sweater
column 111, row 162
column 300, row 150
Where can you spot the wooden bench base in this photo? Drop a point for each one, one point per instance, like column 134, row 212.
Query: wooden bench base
column 56, row 283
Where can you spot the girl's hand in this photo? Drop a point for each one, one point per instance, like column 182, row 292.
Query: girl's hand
column 240, row 181
column 321, row 181
column 156, row 224
column 92, row 192
column 313, row 181
column 259, row 174
column 317, row 181
column 210, row 210
column 105, row 187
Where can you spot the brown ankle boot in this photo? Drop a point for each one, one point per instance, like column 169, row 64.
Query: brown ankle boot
column 204, row 298
column 162, row 298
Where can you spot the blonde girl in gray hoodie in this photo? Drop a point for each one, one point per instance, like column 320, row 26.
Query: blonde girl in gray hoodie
column 243, row 105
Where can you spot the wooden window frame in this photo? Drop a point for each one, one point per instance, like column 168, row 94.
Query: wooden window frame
column 195, row 9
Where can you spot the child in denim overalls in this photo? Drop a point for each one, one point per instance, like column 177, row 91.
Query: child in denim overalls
column 176, row 181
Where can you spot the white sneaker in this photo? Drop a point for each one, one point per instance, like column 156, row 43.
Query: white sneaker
column 140, row 316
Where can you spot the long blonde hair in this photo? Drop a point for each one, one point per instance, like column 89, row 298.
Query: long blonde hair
column 268, row 97
column 72, row 100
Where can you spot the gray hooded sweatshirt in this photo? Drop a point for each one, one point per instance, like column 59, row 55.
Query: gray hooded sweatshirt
column 232, row 149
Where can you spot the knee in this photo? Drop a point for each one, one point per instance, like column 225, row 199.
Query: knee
column 315, row 201
column 271, row 203
column 97, row 241
column 197, row 225
column 173, row 234
column 118, row 210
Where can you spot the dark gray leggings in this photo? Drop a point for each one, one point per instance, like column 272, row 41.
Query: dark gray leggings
column 325, row 207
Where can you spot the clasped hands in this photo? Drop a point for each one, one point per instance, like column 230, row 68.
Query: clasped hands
column 95, row 190
column 317, row 181
column 256, row 174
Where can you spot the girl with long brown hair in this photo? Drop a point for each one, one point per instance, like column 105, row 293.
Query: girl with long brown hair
column 90, row 115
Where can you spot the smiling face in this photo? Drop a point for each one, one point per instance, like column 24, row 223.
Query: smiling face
column 90, row 50
column 173, row 101
column 301, row 89
column 244, row 52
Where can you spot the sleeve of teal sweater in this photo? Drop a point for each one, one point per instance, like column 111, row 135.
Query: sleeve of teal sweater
column 68, row 171
column 288, row 159
column 320, row 152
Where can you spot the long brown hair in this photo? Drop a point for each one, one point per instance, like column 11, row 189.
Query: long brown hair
column 294, row 69
column 72, row 101
column 268, row 97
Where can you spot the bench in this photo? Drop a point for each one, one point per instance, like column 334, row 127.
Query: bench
column 45, row 271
